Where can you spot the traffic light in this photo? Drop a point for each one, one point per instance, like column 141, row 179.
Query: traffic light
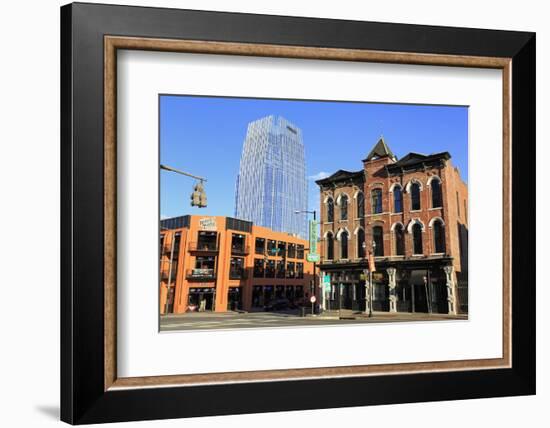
column 198, row 197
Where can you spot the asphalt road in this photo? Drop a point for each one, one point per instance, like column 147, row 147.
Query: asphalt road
column 218, row 321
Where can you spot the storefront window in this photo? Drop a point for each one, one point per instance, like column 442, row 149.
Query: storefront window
column 291, row 251
column 207, row 241
column 280, row 269
column 290, row 273
column 202, row 262
column 236, row 270
column 272, row 247
column 257, row 296
column 258, row 268
column 300, row 270
column 238, row 243
column 259, row 247
column 270, row 269
column 281, row 249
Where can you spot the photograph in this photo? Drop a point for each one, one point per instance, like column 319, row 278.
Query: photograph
column 292, row 213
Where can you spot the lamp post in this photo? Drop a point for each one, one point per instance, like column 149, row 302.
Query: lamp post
column 370, row 281
column 367, row 282
column 314, row 212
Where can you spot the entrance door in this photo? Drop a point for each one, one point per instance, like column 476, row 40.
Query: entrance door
column 234, row 299
column 418, row 286
column 347, row 296
column 201, row 299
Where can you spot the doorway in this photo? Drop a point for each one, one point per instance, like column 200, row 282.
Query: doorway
column 201, row 299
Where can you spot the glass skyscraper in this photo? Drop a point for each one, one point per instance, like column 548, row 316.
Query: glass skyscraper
column 271, row 185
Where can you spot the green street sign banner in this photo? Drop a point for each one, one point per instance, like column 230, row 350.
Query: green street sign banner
column 313, row 236
column 314, row 258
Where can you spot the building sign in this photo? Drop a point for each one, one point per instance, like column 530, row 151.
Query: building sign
column 207, row 223
column 313, row 237
column 203, row 273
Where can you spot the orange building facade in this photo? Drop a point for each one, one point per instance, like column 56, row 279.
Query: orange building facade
column 219, row 264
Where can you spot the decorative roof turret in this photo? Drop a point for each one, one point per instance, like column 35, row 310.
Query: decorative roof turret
column 380, row 150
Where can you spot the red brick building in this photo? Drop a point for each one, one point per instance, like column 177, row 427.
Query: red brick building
column 411, row 217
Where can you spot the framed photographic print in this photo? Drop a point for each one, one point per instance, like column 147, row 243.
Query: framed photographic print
column 266, row 213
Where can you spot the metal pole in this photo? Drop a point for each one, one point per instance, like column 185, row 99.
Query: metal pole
column 366, row 276
column 169, row 168
column 340, row 299
column 169, row 286
column 371, row 285
column 429, row 287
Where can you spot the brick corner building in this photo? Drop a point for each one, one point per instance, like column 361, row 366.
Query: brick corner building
column 214, row 263
column 411, row 216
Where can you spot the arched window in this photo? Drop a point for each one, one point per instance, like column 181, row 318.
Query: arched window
column 436, row 193
column 417, row 238
column 415, row 196
column 330, row 210
column 344, row 207
column 344, row 245
column 376, row 197
column 399, row 240
column 378, row 239
column 330, row 246
column 397, row 200
column 439, row 236
column 360, row 205
column 360, row 244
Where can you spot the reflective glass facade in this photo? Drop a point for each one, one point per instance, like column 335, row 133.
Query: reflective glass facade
column 271, row 185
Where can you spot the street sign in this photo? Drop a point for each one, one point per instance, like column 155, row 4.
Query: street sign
column 326, row 281
column 313, row 299
column 314, row 258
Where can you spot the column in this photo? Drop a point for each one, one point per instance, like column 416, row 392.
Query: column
column 367, row 291
column 451, row 301
column 393, row 298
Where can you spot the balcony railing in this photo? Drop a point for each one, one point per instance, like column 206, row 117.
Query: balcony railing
column 165, row 274
column 242, row 250
column 200, row 274
column 203, row 246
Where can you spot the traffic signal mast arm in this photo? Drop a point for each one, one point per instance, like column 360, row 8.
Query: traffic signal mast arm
column 169, row 168
column 198, row 197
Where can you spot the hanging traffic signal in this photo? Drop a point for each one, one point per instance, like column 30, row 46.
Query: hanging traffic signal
column 198, row 197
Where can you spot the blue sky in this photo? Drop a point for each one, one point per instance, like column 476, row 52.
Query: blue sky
column 204, row 136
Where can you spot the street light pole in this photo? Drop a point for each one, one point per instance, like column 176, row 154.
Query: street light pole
column 314, row 212
column 371, row 285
